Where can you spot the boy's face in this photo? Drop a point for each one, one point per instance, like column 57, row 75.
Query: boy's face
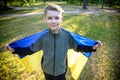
column 53, row 19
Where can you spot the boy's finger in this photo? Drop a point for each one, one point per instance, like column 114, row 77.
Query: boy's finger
column 100, row 44
column 7, row 47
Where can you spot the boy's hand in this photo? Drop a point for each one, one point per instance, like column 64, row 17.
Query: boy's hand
column 98, row 45
column 7, row 47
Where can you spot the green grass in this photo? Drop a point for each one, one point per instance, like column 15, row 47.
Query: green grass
column 102, row 65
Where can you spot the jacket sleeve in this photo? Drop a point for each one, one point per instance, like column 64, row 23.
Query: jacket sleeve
column 81, row 44
column 23, row 51
column 28, row 45
column 37, row 46
column 72, row 43
column 82, row 48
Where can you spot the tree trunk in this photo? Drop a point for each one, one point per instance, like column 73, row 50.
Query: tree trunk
column 67, row 1
column 80, row 2
column 102, row 4
column 84, row 4
column 70, row 1
column 44, row 1
column 5, row 4
column 110, row 3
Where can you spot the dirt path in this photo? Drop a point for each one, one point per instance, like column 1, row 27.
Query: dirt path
column 91, row 10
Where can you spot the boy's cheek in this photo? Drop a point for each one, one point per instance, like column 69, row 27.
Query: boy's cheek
column 60, row 21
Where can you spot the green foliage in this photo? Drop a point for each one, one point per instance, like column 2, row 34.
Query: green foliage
column 28, row 3
column 94, row 2
column 21, row 2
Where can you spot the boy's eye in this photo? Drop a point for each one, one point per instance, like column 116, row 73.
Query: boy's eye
column 52, row 18
column 56, row 17
column 49, row 17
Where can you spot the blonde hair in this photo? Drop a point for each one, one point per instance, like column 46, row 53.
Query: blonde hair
column 53, row 7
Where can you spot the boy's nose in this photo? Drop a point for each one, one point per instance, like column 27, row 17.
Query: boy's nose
column 53, row 20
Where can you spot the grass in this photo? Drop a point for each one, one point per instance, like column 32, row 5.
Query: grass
column 102, row 65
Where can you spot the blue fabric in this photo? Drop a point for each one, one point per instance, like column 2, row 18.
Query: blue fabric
column 27, row 41
column 81, row 40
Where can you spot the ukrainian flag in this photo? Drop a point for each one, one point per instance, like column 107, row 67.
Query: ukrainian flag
column 76, row 61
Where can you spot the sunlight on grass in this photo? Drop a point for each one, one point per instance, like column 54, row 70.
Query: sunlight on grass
column 71, row 25
column 20, row 27
column 5, row 18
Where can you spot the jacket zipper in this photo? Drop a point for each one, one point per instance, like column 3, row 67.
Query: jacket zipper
column 54, row 54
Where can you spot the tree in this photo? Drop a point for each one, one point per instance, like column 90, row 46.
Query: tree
column 110, row 2
column 44, row 1
column 102, row 4
column 80, row 2
column 70, row 1
column 5, row 4
column 85, row 4
column 67, row 1
column 28, row 2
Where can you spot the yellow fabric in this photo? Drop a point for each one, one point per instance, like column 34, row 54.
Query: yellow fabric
column 76, row 63
column 33, row 62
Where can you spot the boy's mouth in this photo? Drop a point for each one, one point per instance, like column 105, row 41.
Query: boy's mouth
column 54, row 25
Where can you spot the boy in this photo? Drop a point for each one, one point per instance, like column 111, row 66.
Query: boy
column 55, row 43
